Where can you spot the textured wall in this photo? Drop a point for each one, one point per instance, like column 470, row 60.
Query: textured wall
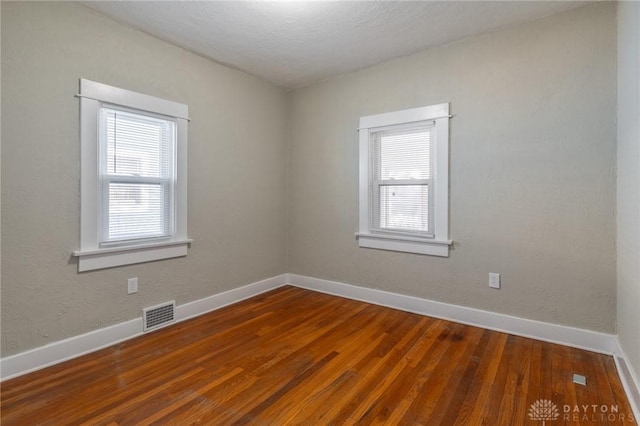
column 0, row 161
column 629, row 181
column 237, row 147
column 532, row 171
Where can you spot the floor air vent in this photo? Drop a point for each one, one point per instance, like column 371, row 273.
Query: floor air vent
column 158, row 316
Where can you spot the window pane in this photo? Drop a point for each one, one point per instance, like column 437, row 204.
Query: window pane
column 138, row 145
column 137, row 210
column 404, row 207
column 138, row 170
column 405, row 154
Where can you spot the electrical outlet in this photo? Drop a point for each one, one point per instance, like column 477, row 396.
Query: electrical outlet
column 494, row 280
column 132, row 285
column 579, row 379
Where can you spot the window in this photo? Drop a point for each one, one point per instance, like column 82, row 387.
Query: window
column 137, row 176
column 133, row 177
column 404, row 180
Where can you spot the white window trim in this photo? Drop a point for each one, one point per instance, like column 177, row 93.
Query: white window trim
column 438, row 245
column 91, row 255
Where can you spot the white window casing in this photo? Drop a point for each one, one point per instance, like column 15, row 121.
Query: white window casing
column 137, row 211
column 404, row 181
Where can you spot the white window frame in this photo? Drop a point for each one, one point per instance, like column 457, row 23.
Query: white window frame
column 91, row 254
column 436, row 243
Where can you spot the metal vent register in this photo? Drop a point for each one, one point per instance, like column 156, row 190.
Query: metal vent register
column 158, row 316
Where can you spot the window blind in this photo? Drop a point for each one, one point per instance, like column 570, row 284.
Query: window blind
column 137, row 173
column 401, row 180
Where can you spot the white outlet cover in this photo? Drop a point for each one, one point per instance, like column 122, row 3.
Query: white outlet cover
column 579, row 379
column 494, row 280
column 132, row 285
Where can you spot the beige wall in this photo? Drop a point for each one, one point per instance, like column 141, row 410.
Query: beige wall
column 532, row 172
column 237, row 172
column 629, row 182
column 0, row 162
column 532, row 182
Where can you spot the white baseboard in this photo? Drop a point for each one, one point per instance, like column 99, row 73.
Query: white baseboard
column 73, row 347
column 629, row 380
column 220, row 300
column 554, row 333
column 63, row 350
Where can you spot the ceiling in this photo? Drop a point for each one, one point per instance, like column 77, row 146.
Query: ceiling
column 296, row 43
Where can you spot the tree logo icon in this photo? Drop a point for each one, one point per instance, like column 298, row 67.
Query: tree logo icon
column 544, row 410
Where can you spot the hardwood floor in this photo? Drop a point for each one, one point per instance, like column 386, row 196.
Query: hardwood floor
column 293, row 356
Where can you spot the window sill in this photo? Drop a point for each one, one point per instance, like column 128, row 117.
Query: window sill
column 405, row 244
column 89, row 260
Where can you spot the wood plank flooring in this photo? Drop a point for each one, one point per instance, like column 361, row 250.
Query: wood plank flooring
column 293, row 356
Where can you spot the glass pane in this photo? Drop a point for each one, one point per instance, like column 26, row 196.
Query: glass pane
column 404, row 207
column 137, row 210
column 138, row 145
column 405, row 154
